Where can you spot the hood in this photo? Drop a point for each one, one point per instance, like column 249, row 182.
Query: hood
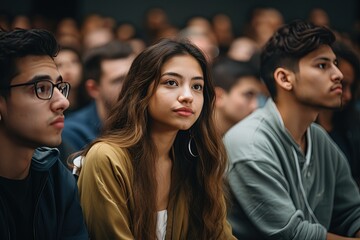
column 44, row 158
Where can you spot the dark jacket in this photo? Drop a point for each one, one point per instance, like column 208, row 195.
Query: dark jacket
column 57, row 214
column 81, row 127
column 346, row 134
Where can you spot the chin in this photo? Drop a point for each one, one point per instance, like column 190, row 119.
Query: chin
column 54, row 142
column 334, row 107
column 185, row 127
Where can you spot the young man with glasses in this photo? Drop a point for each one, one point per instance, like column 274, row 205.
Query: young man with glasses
column 38, row 195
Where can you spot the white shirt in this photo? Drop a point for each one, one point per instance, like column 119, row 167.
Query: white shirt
column 161, row 224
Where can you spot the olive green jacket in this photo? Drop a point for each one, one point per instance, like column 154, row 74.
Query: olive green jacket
column 105, row 186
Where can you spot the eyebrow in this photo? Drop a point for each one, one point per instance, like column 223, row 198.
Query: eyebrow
column 325, row 59
column 44, row 77
column 180, row 76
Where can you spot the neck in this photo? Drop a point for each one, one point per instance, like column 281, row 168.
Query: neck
column 15, row 160
column 325, row 119
column 163, row 142
column 297, row 118
column 101, row 110
column 222, row 123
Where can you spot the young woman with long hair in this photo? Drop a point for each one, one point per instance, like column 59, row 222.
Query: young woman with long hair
column 157, row 171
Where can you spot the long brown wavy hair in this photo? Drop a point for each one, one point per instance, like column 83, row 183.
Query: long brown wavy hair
column 201, row 178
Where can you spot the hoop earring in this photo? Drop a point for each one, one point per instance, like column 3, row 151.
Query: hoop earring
column 189, row 148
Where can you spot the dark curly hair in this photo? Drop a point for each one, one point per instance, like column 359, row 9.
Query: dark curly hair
column 288, row 45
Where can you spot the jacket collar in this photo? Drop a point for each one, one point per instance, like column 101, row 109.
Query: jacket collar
column 43, row 158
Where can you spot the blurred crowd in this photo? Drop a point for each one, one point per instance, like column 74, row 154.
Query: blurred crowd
column 216, row 34
column 97, row 54
column 232, row 56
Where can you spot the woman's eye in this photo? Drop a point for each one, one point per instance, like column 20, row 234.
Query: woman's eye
column 171, row 83
column 198, row 87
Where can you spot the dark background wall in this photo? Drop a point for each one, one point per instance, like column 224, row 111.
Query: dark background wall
column 343, row 13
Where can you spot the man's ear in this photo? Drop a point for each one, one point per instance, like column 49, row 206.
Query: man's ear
column 219, row 96
column 284, row 78
column 92, row 88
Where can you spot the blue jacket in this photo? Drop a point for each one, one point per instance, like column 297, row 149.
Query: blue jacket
column 81, row 127
column 58, row 214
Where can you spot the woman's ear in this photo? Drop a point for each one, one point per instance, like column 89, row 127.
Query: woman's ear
column 284, row 78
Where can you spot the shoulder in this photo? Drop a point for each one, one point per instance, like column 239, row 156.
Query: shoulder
column 245, row 127
column 325, row 147
column 79, row 114
column 254, row 132
column 87, row 115
column 62, row 180
column 106, row 166
column 81, row 127
column 321, row 137
column 318, row 130
column 105, row 149
column 103, row 155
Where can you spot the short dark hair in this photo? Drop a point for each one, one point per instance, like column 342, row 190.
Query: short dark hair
column 227, row 72
column 288, row 45
column 94, row 56
column 19, row 43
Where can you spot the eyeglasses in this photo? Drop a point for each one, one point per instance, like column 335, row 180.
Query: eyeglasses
column 44, row 89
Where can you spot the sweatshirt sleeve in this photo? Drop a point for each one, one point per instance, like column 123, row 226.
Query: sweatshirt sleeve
column 261, row 189
column 105, row 193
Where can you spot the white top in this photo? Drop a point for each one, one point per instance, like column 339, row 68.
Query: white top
column 161, row 224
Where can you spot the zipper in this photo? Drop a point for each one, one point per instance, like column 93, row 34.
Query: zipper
column 302, row 190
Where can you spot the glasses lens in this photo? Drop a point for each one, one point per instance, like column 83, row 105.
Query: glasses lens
column 44, row 89
column 64, row 88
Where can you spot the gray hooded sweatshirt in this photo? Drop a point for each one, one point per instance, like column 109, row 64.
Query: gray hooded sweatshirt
column 280, row 193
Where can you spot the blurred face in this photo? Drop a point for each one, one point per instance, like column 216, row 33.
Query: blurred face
column 205, row 44
column 70, row 67
column 318, row 82
column 26, row 119
column 178, row 99
column 241, row 100
column 113, row 74
column 348, row 80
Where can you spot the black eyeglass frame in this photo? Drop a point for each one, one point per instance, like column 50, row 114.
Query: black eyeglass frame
column 66, row 86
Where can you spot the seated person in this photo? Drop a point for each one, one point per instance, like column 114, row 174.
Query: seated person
column 238, row 88
column 288, row 179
